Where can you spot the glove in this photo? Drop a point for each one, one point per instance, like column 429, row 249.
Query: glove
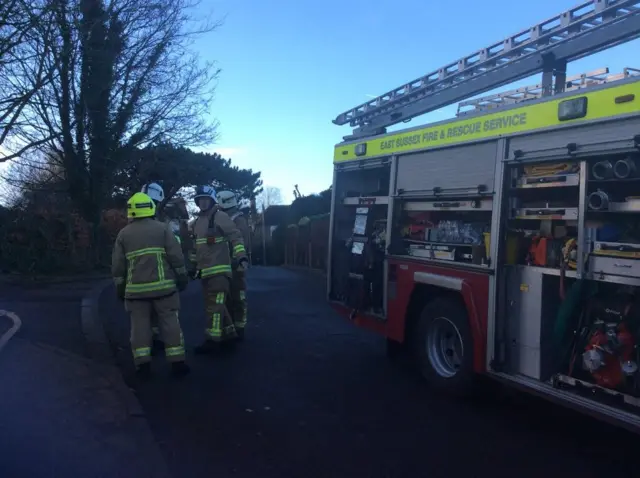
column 182, row 281
column 120, row 289
column 243, row 265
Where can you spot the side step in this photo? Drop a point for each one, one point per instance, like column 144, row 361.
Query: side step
column 597, row 410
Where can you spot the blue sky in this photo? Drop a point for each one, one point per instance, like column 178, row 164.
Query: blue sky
column 289, row 67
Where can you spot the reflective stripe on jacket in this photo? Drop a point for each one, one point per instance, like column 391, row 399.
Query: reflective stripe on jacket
column 215, row 235
column 147, row 258
column 241, row 223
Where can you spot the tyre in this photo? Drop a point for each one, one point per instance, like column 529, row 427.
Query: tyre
column 443, row 347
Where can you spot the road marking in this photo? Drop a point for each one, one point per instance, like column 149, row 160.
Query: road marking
column 17, row 323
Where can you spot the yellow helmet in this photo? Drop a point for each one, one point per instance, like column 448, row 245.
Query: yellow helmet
column 140, row 205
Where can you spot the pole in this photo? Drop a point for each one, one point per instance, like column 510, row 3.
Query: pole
column 264, row 238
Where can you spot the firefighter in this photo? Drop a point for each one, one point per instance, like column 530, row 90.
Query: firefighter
column 218, row 241
column 228, row 202
column 175, row 214
column 156, row 193
column 148, row 269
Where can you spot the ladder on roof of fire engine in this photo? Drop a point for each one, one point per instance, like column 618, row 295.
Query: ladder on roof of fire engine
column 586, row 29
column 532, row 92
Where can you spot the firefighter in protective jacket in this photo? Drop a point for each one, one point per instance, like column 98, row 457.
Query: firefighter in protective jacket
column 148, row 269
column 156, row 193
column 228, row 202
column 218, row 241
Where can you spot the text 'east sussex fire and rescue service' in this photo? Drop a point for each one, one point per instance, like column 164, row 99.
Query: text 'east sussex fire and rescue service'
column 457, row 131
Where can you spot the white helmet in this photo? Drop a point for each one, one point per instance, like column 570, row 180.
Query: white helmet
column 227, row 200
column 154, row 191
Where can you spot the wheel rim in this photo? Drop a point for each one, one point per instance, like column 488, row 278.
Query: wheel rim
column 444, row 347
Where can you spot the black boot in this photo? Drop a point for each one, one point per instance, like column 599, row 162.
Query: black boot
column 180, row 369
column 143, row 371
column 207, row 347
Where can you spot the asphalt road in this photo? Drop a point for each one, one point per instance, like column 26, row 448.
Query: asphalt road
column 60, row 413
column 50, row 313
column 309, row 395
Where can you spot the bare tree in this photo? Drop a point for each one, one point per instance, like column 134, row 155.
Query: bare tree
column 124, row 77
column 21, row 73
column 34, row 178
column 270, row 196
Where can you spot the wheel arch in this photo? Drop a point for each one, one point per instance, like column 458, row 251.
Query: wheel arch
column 429, row 286
column 421, row 295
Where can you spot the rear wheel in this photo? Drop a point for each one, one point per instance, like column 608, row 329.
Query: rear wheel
column 444, row 347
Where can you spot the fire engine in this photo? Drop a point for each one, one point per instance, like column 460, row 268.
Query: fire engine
column 504, row 242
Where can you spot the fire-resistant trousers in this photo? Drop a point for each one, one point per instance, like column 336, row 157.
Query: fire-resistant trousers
column 238, row 301
column 155, row 328
column 219, row 326
column 167, row 309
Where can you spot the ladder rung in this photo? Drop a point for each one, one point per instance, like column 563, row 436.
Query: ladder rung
column 531, row 89
column 583, row 30
column 526, row 93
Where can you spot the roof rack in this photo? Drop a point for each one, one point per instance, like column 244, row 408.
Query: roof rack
column 532, row 92
column 546, row 47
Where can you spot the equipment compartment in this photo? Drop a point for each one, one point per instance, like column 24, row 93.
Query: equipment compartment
column 530, row 310
column 358, row 238
column 596, row 339
column 613, row 184
column 544, row 209
column 612, row 222
column 456, row 230
column 464, row 169
column 587, row 139
column 570, row 314
column 579, row 335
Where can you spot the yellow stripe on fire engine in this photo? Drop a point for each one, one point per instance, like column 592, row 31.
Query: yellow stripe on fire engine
column 600, row 104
